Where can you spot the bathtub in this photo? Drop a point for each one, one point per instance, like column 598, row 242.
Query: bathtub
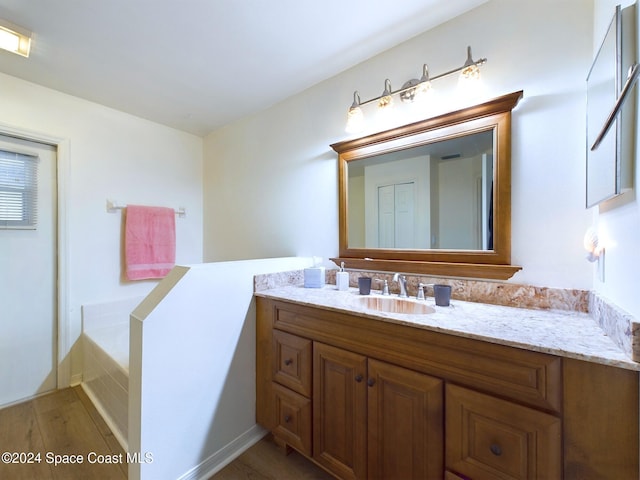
column 105, row 375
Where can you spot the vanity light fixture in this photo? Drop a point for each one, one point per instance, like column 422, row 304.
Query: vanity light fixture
column 355, row 118
column 386, row 100
column 422, row 87
column 412, row 90
column 470, row 69
column 14, row 39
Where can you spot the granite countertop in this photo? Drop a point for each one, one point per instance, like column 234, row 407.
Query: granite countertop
column 559, row 332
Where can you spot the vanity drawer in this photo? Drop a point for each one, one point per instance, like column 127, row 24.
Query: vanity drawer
column 527, row 377
column 293, row 418
column 491, row 438
column 292, row 362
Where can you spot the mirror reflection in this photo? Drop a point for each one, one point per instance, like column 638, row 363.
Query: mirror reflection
column 433, row 196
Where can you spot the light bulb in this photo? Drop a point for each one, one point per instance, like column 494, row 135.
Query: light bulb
column 472, row 72
column 386, row 99
column 355, row 120
column 385, row 102
column 424, row 91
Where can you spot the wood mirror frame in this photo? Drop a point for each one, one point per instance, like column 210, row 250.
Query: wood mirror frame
column 490, row 264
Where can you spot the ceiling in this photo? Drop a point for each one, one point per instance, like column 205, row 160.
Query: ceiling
column 196, row 65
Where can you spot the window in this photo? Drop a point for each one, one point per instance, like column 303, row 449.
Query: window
column 18, row 190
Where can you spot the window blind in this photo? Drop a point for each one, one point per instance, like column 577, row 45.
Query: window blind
column 18, row 190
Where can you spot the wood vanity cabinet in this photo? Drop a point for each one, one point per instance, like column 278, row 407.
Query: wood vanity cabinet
column 372, row 419
column 488, row 437
column 365, row 398
column 291, row 390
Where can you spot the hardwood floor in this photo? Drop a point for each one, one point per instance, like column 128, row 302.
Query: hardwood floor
column 61, row 423
column 266, row 461
column 65, row 422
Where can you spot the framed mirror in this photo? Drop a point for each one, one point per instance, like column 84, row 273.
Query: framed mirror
column 432, row 197
column 610, row 126
column 603, row 141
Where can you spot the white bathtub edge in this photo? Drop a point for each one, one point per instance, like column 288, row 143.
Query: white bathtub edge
column 226, row 454
column 124, row 443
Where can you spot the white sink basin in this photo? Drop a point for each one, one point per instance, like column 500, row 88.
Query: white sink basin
column 395, row 305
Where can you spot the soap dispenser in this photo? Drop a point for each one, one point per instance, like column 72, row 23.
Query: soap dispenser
column 342, row 278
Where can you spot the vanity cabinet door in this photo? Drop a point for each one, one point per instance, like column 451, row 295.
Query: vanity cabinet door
column 405, row 429
column 489, row 438
column 340, row 411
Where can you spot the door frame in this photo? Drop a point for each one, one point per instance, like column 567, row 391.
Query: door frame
column 64, row 342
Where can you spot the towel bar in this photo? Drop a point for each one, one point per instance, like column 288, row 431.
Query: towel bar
column 113, row 206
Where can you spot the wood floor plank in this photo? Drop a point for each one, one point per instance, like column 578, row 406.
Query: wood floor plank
column 237, row 470
column 266, row 461
column 66, row 422
column 53, row 400
column 20, row 435
column 103, row 428
column 68, row 430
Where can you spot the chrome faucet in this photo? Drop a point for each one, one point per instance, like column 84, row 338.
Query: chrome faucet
column 402, row 282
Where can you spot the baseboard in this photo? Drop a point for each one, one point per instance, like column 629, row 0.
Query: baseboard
column 75, row 380
column 225, row 455
column 124, row 442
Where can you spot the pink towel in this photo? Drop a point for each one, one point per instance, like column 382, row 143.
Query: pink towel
column 150, row 241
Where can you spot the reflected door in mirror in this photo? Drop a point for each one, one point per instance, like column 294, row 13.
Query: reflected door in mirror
column 435, row 196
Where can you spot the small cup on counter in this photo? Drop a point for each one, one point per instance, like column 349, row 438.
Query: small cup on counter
column 364, row 285
column 442, row 293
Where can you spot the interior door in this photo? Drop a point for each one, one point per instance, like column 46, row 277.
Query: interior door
column 28, row 295
column 405, row 215
column 396, row 217
column 386, row 216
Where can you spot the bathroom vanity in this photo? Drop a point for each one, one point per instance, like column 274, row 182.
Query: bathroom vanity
column 471, row 391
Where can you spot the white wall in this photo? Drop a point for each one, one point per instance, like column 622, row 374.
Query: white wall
column 276, row 173
column 618, row 220
column 192, row 403
column 270, row 185
column 111, row 155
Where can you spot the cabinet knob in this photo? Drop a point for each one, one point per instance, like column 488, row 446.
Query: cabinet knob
column 359, row 378
column 371, row 382
column 495, row 449
column 288, row 362
column 287, row 418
